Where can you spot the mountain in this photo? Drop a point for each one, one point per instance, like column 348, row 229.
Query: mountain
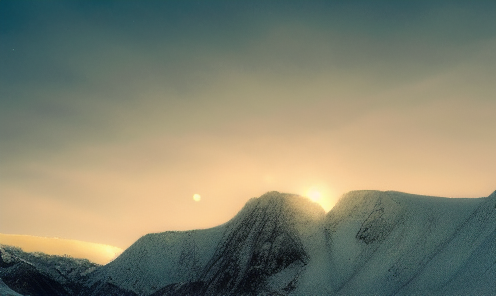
column 264, row 238
column 41, row 274
column 370, row 243
column 392, row 243
column 98, row 253
column 6, row 291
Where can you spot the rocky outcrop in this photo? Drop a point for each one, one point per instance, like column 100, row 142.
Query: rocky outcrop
column 260, row 243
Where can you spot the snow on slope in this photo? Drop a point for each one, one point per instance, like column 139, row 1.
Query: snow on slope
column 263, row 249
column 466, row 264
column 264, row 236
column 397, row 243
column 160, row 259
column 98, row 253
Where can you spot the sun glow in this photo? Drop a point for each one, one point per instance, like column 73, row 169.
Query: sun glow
column 314, row 194
column 98, row 253
column 322, row 195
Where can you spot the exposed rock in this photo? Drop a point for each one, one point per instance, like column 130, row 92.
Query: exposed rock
column 261, row 242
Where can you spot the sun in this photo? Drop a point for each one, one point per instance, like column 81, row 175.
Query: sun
column 314, row 194
column 321, row 194
column 196, row 197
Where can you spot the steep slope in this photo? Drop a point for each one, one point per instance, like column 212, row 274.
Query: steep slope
column 159, row 259
column 395, row 243
column 260, row 249
column 467, row 262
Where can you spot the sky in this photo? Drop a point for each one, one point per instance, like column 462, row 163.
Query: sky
column 113, row 114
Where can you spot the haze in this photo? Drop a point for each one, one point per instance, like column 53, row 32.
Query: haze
column 114, row 114
column 98, row 253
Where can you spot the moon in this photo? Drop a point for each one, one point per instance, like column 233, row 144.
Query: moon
column 196, row 197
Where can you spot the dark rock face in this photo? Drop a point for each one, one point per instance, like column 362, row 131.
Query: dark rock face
column 379, row 223
column 263, row 242
column 25, row 279
column 185, row 289
column 107, row 289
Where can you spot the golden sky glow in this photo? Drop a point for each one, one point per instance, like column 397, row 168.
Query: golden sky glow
column 114, row 114
column 98, row 253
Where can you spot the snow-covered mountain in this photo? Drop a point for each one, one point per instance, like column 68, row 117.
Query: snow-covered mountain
column 392, row 243
column 266, row 237
column 370, row 243
column 41, row 274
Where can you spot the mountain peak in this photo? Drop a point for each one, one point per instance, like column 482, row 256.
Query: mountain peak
column 291, row 205
column 261, row 241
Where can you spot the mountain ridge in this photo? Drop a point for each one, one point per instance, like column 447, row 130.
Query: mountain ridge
column 97, row 253
column 370, row 243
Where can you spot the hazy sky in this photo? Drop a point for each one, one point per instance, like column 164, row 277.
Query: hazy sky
column 114, row 113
